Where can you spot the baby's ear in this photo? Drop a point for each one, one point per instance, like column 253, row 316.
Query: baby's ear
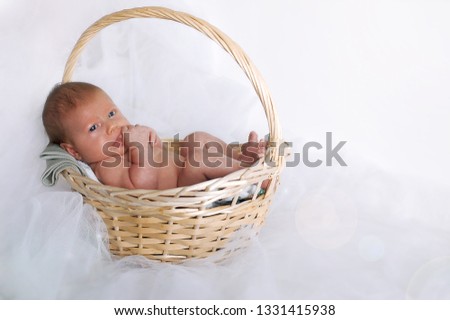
column 70, row 150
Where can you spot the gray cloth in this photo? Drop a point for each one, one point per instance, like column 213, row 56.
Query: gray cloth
column 57, row 160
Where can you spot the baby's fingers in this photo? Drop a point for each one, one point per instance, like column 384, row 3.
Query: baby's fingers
column 126, row 128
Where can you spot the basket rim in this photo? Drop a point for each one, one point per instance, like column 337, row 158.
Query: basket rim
column 239, row 175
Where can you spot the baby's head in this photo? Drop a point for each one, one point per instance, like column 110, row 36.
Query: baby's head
column 63, row 99
column 82, row 119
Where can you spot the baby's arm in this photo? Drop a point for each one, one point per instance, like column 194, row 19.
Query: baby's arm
column 115, row 172
column 132, row 169
column 140, row 142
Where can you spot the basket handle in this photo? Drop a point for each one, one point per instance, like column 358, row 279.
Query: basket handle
column 210, row 31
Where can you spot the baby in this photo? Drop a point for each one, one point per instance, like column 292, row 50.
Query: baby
column 85, row 122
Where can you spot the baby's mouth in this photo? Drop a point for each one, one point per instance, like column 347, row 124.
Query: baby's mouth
column 118, row 142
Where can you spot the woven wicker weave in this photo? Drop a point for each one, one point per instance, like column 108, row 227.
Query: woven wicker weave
column 178, row 224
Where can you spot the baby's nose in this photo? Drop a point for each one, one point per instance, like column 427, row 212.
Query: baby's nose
column 111, row 127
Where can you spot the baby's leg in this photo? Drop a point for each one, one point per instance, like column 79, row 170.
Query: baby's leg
column 192, row 174
column 209, row 143
column 248, row 153
column 205, row 161
column 208, row 157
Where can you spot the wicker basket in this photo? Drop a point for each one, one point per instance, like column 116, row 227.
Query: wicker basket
column 178, row 224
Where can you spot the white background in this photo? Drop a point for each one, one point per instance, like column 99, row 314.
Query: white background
column 375, row 73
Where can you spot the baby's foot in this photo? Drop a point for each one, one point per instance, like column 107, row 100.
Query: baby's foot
column 253, row 150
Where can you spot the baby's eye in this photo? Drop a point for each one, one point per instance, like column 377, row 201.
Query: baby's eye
column 111, row 114
column 93, row 128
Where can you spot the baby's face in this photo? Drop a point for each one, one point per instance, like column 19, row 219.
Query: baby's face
column 94, row 129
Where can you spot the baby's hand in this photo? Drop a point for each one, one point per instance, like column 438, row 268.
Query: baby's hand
column 140, row 134
column 153, row 138
column 133, row 134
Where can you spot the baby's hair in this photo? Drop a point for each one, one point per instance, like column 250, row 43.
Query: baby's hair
column 61, row 99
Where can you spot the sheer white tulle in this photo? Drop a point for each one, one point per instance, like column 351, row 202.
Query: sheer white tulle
column 356, row 232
